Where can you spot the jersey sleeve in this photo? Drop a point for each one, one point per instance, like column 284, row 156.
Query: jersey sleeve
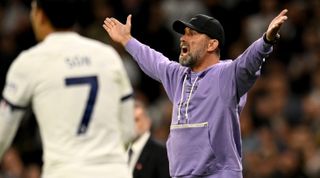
column 18, row 86
column 16, row 97
column 10, row 118
column 126, row 107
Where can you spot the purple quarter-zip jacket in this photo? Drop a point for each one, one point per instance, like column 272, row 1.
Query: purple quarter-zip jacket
column 205, row 139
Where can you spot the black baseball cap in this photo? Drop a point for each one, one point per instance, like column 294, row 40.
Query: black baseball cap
column 202, row 24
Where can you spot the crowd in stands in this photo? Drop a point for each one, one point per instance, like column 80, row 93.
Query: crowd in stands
column 281, row 120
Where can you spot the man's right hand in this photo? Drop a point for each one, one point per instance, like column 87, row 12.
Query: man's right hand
column 118, row 32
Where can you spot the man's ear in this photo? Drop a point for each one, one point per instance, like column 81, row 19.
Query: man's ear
column 42, row 16
column 212, row 45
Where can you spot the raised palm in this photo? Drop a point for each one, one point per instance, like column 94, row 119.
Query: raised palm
column 118, row 32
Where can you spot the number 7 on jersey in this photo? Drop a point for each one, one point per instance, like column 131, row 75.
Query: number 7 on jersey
column 93, row 82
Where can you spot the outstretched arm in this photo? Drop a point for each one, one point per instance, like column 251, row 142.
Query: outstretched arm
column 251, row 60
column 118, row 32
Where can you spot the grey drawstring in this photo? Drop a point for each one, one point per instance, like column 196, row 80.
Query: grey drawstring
column 180, row 104
column 188, row 100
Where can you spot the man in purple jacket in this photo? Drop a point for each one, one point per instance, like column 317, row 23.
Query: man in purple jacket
column 207, row 94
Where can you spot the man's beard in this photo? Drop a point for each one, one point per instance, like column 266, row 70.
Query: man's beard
column 188, row 60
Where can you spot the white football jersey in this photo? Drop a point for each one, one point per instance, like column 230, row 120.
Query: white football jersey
column 80, row 94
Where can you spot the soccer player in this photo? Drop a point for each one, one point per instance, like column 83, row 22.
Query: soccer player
column 207, row 93
column 80, row 94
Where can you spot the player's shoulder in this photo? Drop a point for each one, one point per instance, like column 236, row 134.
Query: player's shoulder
column 25, row 59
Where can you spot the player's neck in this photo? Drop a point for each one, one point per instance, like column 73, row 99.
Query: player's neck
column 206, row 62
column 48, row 31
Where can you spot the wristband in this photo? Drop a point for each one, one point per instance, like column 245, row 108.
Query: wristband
column 273, row 41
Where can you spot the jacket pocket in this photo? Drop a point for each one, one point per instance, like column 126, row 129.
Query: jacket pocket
column 190, row 151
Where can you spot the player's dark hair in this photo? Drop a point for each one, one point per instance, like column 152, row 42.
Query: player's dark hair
column 61, row 13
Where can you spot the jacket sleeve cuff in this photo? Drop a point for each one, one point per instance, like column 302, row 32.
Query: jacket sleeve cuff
column 273, row 42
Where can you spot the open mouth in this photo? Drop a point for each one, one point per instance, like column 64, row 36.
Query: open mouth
column 184, row 49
